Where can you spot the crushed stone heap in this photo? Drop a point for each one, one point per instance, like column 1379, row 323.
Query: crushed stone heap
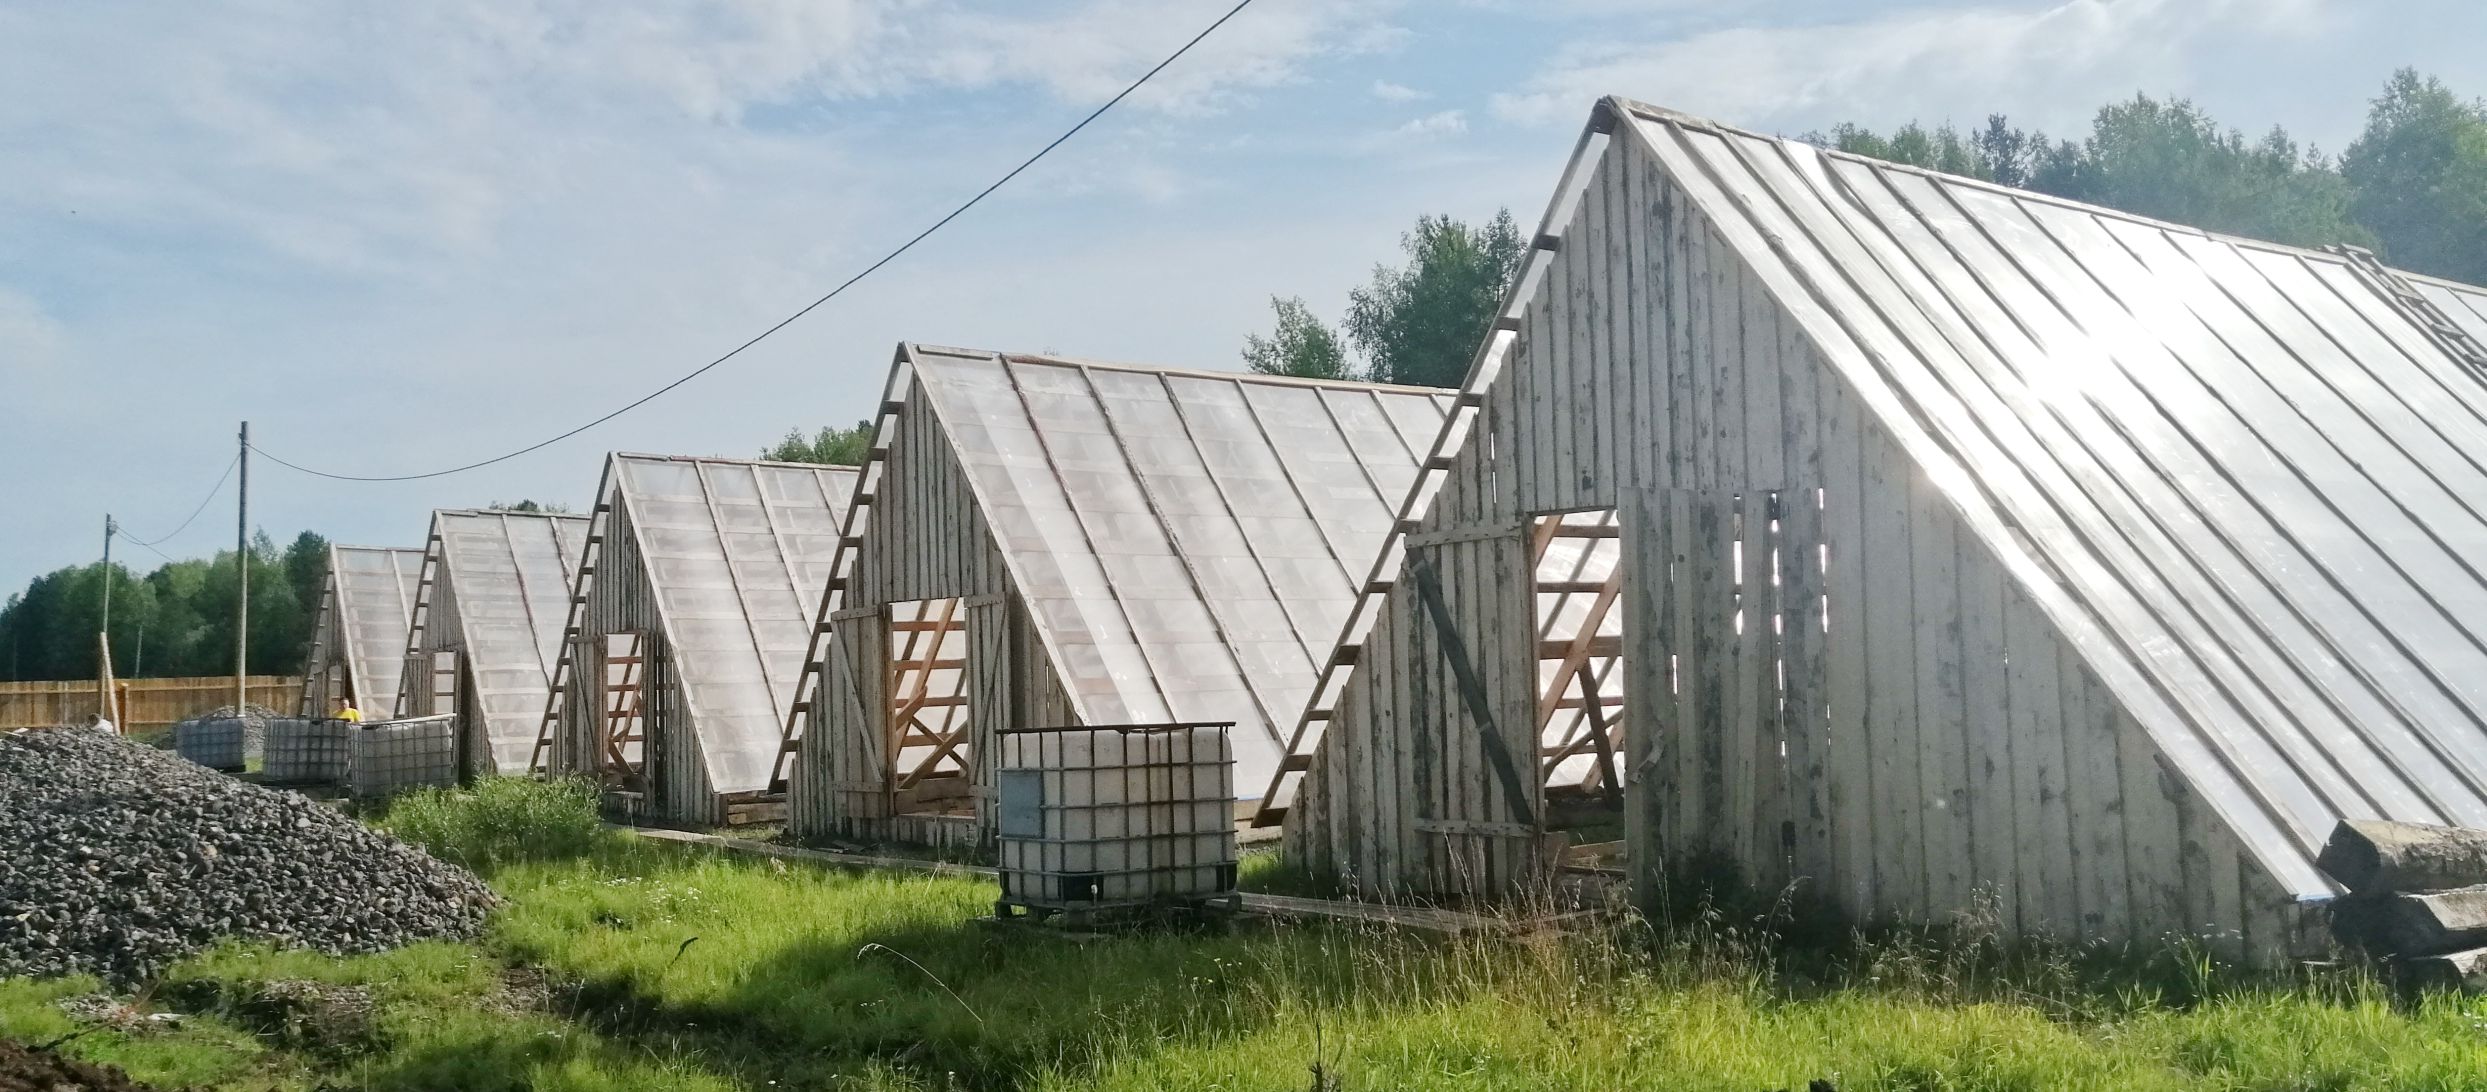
column 120, row 860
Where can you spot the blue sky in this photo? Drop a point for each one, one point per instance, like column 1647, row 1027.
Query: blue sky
column 398, row 237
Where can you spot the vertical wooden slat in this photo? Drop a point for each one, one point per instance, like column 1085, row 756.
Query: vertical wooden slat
column 2048, row 900
column 1509, row 642
column 1995, row 805
column 989, row 625
column 1891, row 683
column 1945, row 753
column 1765, row 749
column 1611, row 391
column 2154, row 860
column 1646, row 667
column 2094, row 800
column 1802, row 724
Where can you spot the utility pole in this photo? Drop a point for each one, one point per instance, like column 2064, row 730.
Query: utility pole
column 109, row 528
column 241, row 605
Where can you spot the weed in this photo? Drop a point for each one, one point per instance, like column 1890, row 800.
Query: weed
column 501, row 821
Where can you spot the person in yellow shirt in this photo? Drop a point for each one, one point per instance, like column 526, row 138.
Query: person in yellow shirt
column 346, row 711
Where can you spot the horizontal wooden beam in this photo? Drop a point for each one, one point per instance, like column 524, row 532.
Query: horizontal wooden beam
column 1587, row 530
column 1571, row 587
column 1475, row 828
column 1608, row 645
column 1612, row 701
column 936, row 703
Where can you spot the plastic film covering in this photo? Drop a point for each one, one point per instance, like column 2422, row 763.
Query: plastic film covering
column 511, row 574
column 374, row 590
column 739, row 555
column 2464, row 306
column 2255, row 488
column 1188, row 543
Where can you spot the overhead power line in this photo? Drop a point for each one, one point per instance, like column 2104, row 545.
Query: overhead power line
column 194, row 513
column 833, row 293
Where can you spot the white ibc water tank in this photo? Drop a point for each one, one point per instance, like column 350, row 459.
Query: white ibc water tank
column 218, row 743
column 391, row 757
column 1101, row 818
column 302, row 751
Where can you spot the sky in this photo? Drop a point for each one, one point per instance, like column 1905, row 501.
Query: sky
column 401, row 237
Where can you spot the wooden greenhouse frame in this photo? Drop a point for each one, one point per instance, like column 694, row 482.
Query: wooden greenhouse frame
column 1981, row 552
column 486, row 628
column 686, row 625
column 358, row 642
column 1123, row 545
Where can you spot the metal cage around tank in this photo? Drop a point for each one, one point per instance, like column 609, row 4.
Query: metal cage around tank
column 1115, row 817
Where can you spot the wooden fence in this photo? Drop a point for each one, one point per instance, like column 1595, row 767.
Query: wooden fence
column 145, row 703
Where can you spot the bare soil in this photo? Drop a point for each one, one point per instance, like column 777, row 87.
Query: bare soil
column 33, row 1069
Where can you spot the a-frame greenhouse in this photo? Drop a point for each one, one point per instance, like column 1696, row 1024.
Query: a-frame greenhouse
column 1975, row 545
column 693, row 605
column 1045, row 542
column 488, row 613
column 358, row 643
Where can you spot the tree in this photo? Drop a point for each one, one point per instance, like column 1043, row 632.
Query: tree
column 1301, row 345
column 1939, row 149
column 2005, row 151
column 1421, row 323
column 306, row 572
column 2171, row 161
column 177, row 620
column 2419, row 172
column 831, row 446
column 2163, row 159
column 554, row 508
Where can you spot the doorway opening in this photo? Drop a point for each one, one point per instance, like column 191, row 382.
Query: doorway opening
column 930, row 766
column 621, row 707
column 1577, row 587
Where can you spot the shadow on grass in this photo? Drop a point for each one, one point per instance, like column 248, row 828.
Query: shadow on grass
column 986, row 1007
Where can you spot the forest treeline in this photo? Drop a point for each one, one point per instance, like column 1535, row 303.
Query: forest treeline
column 2412, row 186
column 177, row 620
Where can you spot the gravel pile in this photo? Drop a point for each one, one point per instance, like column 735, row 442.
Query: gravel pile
column 248, row 712
column 121, row 859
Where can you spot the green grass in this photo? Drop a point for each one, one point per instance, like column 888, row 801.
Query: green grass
column 627, row 964
column 199, row 1050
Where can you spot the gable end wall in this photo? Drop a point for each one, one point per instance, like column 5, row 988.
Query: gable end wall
column 1954, row 754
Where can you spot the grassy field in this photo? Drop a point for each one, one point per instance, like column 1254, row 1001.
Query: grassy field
column 624, row 964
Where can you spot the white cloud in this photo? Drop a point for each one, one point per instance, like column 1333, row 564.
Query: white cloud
column 1094, row 50
column 30, row 340
column 374, row 141
column 1440, row 124
column 2050, row 66
column 1393, row 92
column 1429, row 138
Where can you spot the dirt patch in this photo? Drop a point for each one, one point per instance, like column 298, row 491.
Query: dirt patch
column 33, row 1069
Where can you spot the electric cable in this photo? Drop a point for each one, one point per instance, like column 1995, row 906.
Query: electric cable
column 212, row 490
column 833, row 293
